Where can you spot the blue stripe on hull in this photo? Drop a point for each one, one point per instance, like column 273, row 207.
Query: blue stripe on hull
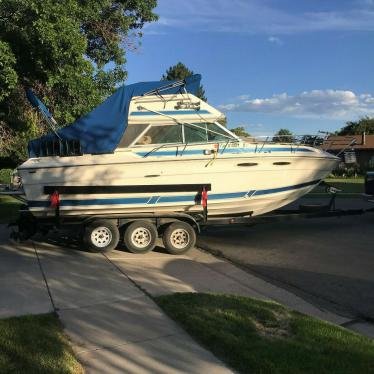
column 281, row 189
column 169, row 199
column 177, row 199
column 127, row 200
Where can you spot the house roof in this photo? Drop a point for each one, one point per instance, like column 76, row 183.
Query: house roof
column 338, row 142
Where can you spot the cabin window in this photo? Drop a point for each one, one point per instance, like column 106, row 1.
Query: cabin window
column 131, row 133
column 217, row 134
column 205, row 132
column 195, row 134
column 163, row 134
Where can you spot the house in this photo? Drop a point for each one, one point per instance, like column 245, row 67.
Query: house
column 362, row 145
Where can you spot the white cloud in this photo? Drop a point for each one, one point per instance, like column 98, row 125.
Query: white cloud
column 316, row 103
column 262, row 17
column 275, row 40
column 243, row 97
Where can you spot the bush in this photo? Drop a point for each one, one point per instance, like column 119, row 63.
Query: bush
column 347, row 170
column 5, row 175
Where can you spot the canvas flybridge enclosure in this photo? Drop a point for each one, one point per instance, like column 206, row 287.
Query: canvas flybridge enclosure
column 101, row 130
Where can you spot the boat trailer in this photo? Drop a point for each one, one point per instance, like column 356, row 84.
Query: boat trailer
column 139, row 232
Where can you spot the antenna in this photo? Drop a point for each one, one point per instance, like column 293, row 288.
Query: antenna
column 36, row 103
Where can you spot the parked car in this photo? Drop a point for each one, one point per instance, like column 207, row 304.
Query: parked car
column 369, row 183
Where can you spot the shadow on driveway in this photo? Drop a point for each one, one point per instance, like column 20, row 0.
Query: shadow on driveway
column 328, row 261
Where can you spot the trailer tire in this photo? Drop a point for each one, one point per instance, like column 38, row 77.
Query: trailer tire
column 179, row 237
column 101, row 236
column 140, row 237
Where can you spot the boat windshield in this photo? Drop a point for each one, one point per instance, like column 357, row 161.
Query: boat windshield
column 161, row 135
column 185, row 133
column 205, row 132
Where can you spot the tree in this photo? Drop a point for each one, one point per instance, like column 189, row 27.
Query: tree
column 241, row 132
column 222, row 121
column 8, row 76
column 365, row 124
column 180, row 71
column 71, row 53
column 283, row 136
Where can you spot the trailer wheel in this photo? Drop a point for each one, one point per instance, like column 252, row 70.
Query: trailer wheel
column 140, row 237
column 179, row 237
column 101, row 236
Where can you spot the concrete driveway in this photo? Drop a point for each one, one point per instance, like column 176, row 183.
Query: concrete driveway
column 329, row 262
column 113, row 325
column 105, row 302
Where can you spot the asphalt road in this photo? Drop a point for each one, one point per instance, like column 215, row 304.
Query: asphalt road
column 327, row 261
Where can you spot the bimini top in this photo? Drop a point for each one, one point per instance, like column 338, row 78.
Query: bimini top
column 101, row 130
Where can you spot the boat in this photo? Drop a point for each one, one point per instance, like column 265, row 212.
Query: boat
column 155, row 147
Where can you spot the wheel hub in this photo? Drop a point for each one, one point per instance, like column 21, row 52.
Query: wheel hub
column 141, row 237
column 101, row 237
column 180, row 238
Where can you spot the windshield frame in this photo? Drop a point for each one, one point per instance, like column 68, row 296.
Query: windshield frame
column 230, row 137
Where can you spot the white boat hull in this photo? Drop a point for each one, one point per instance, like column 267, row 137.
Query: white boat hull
column 243, row 183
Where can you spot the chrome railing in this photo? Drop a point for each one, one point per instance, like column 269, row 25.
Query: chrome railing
column 324, row 141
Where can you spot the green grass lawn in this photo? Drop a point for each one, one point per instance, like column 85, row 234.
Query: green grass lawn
column 254, row 336
column 8, row 209
column 35, row 344
column 348, row 186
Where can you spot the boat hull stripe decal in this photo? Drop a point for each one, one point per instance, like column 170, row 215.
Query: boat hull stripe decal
column 170, row 199
column 153, row 200
column 282, row 189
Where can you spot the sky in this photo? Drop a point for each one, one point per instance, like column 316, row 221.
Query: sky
column 305, row 65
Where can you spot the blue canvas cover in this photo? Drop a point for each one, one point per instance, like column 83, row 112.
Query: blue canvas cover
column 101, row 130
